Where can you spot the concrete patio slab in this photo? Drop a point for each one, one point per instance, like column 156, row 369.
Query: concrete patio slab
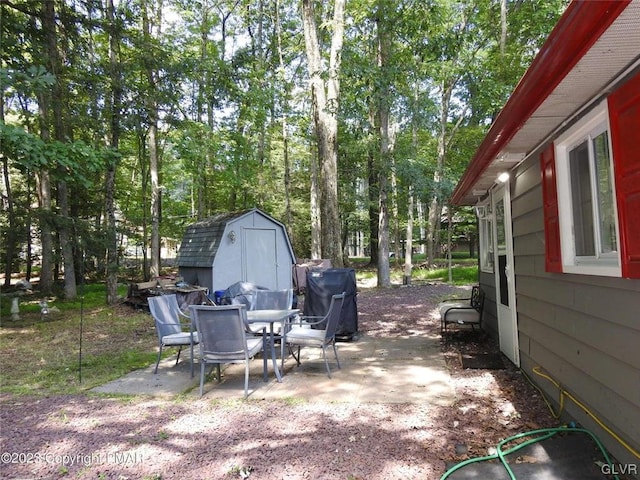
column 374, row 370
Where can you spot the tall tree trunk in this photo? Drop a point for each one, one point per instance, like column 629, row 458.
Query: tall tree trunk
column 408, row 247
column 421, row 223
column 65, row 226
column 141, row 140
column 435, row 207
column 397, row 240
column 28, row 225
column 152, row 139
column 449, row 235
column 446, row 134
column 314, row 205
column 200, row 177
column 408, row 252
column 433, row 227
column 383, row 105
column 46, row 232
column 318, row 101
column 155, row 192
column 44, row 191
column 503, row 27
column 43, row 181
column 10, row 236
column 114, row 143
column 66, row 232
column 325, row 106
column 373, row 210
column 288, row 215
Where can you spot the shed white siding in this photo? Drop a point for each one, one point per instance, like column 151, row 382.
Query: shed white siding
column 245, row 246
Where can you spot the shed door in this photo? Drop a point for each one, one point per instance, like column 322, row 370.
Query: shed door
column 505, row 278
column 260, row 262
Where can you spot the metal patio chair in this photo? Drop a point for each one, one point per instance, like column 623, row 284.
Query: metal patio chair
column 224, row 338
column 316, row 331
column 171, row 326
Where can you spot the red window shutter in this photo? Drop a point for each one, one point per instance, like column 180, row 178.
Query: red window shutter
column 553, row 256
column 624, row 116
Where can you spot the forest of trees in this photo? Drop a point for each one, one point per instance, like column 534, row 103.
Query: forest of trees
column 349, row 121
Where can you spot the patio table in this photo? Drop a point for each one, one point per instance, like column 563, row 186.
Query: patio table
column 272, row 317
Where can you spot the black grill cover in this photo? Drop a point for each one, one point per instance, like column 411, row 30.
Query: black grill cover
column 321, row 285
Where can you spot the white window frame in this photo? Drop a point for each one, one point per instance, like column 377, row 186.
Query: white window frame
column 485, row 235
column 590, row 126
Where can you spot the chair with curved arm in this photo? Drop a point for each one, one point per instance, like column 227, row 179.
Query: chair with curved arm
column 171, row 325
column 316, row 331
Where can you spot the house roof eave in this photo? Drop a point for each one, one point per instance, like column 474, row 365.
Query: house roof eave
column 578, row 29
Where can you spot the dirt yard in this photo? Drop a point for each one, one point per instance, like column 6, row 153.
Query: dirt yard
column 95, row 437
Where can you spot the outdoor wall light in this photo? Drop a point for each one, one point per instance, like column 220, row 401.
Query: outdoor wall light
column 503, row 177
column 480, row 210
column 232, row 236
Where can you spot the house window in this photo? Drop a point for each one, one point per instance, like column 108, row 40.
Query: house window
column 485, row 225
column 586, row 197
column 593, row 163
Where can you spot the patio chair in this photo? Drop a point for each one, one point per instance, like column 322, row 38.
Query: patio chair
column 462, row 311
column 171, row 330
column 272, row 300
column 223, row 339
column 316, row 331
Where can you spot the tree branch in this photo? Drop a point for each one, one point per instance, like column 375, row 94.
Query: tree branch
column 20, row 8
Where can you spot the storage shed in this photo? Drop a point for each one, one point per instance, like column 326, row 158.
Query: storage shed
column 248, row 246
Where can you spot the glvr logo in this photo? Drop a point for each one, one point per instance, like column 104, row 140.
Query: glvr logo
column 620, row 469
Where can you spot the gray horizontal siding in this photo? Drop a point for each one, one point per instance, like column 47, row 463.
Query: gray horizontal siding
column 529, row 223
column 618, row 307
column 583, row 330
column 526, row 182
column 529, row 244
column 529, row 265
column 526, row 203
column 613, row 410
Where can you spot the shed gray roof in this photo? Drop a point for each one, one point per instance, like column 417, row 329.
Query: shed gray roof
column 202, row 239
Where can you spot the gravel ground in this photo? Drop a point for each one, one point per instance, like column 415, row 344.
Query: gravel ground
column 94, row 437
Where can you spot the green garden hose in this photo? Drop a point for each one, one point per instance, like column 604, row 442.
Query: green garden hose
column 544, row 433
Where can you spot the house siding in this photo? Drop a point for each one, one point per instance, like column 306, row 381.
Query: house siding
column 582, row 330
